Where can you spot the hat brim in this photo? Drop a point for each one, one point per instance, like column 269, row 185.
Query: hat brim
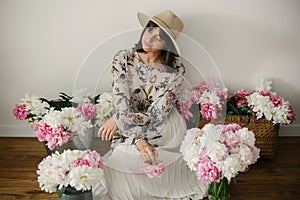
column 144, row 19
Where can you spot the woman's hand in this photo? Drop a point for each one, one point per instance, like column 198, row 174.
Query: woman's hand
column 107, row 130
column 148, row 153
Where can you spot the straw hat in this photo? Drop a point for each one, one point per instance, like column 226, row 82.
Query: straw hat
column 167, row 21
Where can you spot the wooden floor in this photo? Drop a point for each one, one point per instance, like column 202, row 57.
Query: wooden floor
column 266, row 180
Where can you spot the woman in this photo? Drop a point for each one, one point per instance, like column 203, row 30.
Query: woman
column 146, row 126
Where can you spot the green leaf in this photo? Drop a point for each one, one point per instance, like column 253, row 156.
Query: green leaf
column 44, row 100
column 64, row 96
column 234, row 180
column 244, row 110
column 61, row 191
column 230, row 112
column 244, row 106
column 96, row 98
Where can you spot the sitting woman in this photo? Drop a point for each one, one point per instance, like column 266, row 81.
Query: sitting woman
column 146, row 126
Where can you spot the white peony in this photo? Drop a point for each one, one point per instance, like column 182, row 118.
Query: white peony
column 69, row 117
column 191, row 155
column 281, row 115
column 230, row 166
column 189, row 137
column 35, row 105
column 264, row 107
column 190, row 147
column 217, row 151
column 53, row 118
column 261, row 105
column 52, row 173
column 246, row 156
column 74, row 120
column 209, row 97
column 83, row 177
column 212, row 135
column 263, row 85
column 58, row 171
column 246, row 137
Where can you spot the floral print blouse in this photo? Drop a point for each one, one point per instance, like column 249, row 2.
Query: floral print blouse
column 143, row 95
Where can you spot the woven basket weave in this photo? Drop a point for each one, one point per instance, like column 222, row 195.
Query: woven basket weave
column 265, row 132
column 202, row 123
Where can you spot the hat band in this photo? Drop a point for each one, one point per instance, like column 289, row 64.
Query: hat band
column 173, row 34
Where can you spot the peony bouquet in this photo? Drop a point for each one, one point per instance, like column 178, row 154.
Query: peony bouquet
column 58, row 127
column 263, row 102
column 76, row 169
column 56, row 121
column 209, row 98
column 266, row 103
column 217, row 153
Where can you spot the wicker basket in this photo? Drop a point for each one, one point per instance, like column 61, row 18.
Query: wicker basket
column 202, row 123
column 265, row 132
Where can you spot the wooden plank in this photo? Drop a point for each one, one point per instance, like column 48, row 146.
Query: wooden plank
column 274, row 179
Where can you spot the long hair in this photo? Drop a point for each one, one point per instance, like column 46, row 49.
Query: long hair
column 168, row 54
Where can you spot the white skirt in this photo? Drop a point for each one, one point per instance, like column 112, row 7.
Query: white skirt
column 124, row 180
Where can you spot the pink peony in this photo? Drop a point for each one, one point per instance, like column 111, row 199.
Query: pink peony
column 209, row 96
column 265, row 93
column 58, row 137
column 82, row 161
column 153, row 169
column 183, row 109
column 292, row 115
column 95, row 158
column 229, row 127
column 42, row 130
column 198, row 91
column 276, row 100
column 89, row 111
column 231, row 140
column 20, row 112
column 243, row 92
column 207, row 170
column 195, row 96
column 208, row 111
column 240, row 102
column 223, row 95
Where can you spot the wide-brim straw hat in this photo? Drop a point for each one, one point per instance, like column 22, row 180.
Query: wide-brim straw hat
column 167, row 21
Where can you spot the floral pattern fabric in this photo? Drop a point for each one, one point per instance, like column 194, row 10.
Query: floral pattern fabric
column 143, row 95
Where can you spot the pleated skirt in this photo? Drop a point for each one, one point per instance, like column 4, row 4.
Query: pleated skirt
column 125, row 180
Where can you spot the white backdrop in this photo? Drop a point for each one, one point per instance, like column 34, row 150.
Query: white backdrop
column 45, row 45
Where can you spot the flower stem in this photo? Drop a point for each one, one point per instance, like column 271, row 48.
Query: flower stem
column 233, row 108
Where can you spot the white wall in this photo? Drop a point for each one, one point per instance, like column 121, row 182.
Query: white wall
column 44, row 43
